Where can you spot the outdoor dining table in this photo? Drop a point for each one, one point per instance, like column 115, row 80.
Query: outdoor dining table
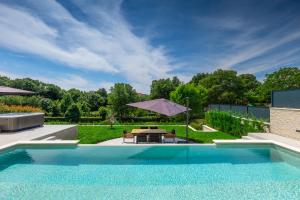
column 137, row 132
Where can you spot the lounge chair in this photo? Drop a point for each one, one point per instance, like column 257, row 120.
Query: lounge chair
column 127, row 135
column 141, row 138
column 154, row 138
column 171, row 135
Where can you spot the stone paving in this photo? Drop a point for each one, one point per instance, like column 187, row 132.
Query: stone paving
column 33, row 133
column 274, row 137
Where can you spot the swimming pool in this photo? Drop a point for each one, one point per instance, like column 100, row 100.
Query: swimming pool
column 150, row 172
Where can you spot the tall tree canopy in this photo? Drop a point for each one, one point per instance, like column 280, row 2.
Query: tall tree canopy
column 198, row 77
column 250, row 85
column 120, row 95
column 66, row 102
column 197, row 96
column 163, row 87
column 223, row 86
column 283, row 79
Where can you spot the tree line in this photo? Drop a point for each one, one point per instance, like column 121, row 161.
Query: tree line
column 220, row 86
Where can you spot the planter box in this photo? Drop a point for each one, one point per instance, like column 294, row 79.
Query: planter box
column 12, row 122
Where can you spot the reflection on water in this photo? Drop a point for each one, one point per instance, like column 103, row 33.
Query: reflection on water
column 155, row 155
column 285, row 155
column 15, row 157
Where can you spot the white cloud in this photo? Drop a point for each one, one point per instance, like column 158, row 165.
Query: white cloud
column 251, row 45
column 23, row 32
column 257, row 48
column 108, row 45
column 280, row 59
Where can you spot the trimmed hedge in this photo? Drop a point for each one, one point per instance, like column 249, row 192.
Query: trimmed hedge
column 100, row 120
column 226, row 122
column 82, row 119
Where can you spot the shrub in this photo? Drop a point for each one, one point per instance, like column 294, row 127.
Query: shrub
column 197, row 98
column 73, row 113
column 66, row 102
column 197, row 123
column 233, row 125
column 102, row 112
column 56, row 109
column 84, row 120
column 84, row 107
column 46, row 105
column 17, row 108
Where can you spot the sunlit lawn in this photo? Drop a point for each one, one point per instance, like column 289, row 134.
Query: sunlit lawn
column 95, row 134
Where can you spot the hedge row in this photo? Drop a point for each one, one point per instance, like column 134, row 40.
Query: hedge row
column 82, row 119
column 99, row 119
column 228, row 123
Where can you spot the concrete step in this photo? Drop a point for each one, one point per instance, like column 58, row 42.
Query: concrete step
column 50, row 138
column 256, row 135
column 242, row 139
column 247, row 138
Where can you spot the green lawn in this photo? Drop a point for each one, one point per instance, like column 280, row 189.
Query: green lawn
column 95, row 134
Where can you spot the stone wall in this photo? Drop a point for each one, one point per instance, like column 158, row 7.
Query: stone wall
column 68, row 133
column 285, row 122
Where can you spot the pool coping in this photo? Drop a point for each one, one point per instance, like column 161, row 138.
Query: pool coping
column 67, row 143
column 271, row 142
column 75, row 143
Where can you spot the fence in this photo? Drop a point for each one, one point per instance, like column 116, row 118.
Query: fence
column 286, row 98
column 262, row 113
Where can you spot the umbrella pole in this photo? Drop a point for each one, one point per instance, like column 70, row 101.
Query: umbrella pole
column 187, row 121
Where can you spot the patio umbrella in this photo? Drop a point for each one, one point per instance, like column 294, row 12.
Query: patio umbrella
column 13, row 91
column 164, row 107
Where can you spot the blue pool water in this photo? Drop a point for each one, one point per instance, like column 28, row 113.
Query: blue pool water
column 176, row 172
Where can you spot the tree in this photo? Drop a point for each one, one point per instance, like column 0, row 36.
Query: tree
column 5, row 81
column 66, row 102
column 102, row 112
column 94, row 100
column 56, row 109
column 103, row 93
column 84, row 107
column 73, row 113
column 223, row 86
column 250, row 85
column 163, row 87
column 27, row 84
column 52, row 92
column 111, row 116
column 121, row 94
column 249, row 81
column 75, row 94
column 198, row 77
column 197, row 97
column 46, row 105
column 283, row 79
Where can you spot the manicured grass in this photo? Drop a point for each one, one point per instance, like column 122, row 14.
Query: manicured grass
column 95, row 134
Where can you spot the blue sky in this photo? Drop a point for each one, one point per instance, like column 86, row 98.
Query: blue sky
column 92, row 44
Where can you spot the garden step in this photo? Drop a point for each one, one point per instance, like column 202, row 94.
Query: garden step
column 256, row 135
column 50, row 138
column 242, row 139
column 247, row 138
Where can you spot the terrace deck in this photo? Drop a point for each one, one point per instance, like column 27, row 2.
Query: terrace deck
column 64, row 132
